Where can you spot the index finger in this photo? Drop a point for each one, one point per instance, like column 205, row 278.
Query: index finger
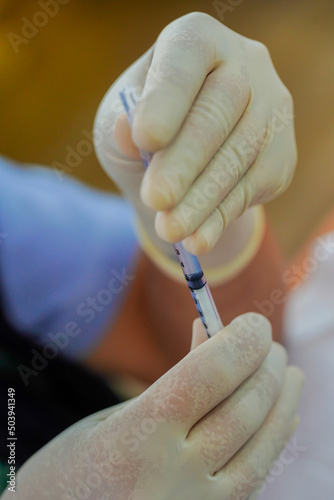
column 184, row 55
column 207, row 375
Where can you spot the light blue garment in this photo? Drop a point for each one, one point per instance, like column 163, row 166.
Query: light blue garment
column 67, row 257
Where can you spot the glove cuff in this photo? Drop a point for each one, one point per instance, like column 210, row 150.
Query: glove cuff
column 215, row 275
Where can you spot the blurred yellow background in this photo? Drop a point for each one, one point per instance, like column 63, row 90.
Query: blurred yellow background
column 53, row 80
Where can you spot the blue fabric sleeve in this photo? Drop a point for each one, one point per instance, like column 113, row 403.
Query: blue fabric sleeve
column 67, row 257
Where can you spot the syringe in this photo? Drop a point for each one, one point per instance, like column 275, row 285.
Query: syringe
column 189, row 263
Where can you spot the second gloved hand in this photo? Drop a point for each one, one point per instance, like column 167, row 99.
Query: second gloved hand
column 209, row 428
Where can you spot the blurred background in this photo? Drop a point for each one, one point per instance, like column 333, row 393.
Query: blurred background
column 58, row 59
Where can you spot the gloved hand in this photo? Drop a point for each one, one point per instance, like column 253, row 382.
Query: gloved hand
column 220, row 122
column 209, row 428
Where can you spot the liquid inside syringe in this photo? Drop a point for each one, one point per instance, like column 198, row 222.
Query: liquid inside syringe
column 189, row 263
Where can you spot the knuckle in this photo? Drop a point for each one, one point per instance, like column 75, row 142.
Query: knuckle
column 217, row 222
column 248, row 142
column 198, row 17
column 242, row 159
column 192, row 32
column 261, row 49
column 213, row 111
column 224, row 214
column 201, row 20
column 244, row 195
column 287, row 96
column 286, row 103
column 190, row 24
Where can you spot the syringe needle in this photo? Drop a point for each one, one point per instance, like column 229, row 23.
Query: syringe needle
column 189, row 263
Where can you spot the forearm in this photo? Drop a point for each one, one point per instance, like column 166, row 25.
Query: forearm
column 170, row 309
column 153, row 329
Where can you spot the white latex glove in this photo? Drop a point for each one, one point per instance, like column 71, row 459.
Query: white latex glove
column 220, row 121
column 209, row 428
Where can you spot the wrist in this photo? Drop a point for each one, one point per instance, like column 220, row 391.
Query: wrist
column 234, row 251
